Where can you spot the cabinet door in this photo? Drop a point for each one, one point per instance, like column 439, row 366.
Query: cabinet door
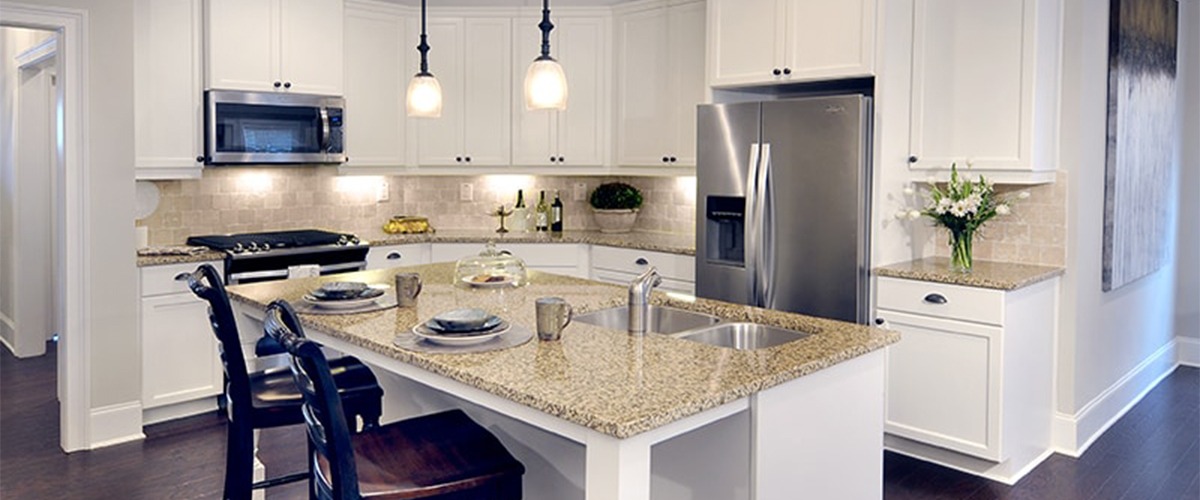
column 582, row 127
column 972, row 83
column 440, row 140
column 376, row 76
column 398, row 255
column 311, row 46
column 488, row 80
column 168, row 88
column 830, row 39
column 242, row 43
column 686, row 59
column 180, row 361
column 535, row 133
column 643, row 109
column 747, row 41
column 943, row 384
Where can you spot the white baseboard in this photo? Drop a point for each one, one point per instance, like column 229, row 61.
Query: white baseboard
column 1073, row 434
column 166, row 413
column 116, row 424
column 1188, row 350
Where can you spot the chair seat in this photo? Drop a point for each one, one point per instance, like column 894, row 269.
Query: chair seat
column 430, row 455
column 276, row 401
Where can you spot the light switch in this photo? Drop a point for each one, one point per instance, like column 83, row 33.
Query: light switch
column 382, row 191
column 580, row 192
column 466, row 192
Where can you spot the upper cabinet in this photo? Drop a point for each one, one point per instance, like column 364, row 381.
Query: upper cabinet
column 984, row 83
column 472, row 59
column 275, row 45
column 379, row 40
column 576, row 136
column 660, row 80
column 755, row 42
column 167, row 89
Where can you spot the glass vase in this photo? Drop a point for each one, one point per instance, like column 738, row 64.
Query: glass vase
column 960, row 250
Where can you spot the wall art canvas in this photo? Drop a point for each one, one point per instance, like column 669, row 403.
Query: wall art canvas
column 1141, row 138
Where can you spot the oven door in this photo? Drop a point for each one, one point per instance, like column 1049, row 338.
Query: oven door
column 263, row 127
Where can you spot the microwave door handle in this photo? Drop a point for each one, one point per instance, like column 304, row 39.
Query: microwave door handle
column 751, row 225
column 325, row 130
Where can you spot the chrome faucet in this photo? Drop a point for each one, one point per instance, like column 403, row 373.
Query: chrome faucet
column 639, row 300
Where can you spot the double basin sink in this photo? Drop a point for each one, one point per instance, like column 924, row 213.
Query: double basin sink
column 697, row 327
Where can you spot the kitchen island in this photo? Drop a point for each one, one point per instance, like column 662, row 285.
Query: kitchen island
column 806, row 416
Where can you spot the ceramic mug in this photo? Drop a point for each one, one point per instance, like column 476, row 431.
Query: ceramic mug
column 408, row 287
column 553, row 314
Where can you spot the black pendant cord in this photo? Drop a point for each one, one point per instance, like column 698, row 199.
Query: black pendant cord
column 545, row 26
column 423, row 47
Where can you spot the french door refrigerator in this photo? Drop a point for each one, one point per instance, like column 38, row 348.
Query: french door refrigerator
column 783, row 204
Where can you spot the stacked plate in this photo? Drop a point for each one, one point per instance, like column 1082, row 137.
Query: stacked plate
column 343, row 295
column 461, row 327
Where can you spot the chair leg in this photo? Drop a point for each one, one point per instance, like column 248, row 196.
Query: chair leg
column 372, row 411
column 239, row 462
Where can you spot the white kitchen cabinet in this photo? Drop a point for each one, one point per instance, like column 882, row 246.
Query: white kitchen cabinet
column 972, row 373
column 754, row 42
column 620, row 265
column 380, row 257
column 181, row 364
column 168, row 91
column 576, row 136
column 472, row 59
column 560, row 258
column 275, row 45
column 378, row 44
column 984, row 85
column 660, row 80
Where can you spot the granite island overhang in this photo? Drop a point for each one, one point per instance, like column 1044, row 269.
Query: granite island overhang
column 617, row 394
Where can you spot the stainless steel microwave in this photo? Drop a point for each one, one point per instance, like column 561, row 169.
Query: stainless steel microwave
column 272, row 127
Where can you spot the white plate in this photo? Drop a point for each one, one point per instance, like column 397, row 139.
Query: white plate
column 507, row 282
column 340, row 304
column 459, row 340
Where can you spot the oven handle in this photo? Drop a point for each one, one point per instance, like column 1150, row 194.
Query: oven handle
column 236, row 278
column 325, row 133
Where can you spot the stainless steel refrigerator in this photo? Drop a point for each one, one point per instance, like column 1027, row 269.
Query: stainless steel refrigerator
column 783, row 205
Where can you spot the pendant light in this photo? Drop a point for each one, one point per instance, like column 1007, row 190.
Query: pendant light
column 545, row 82
column 424, row 92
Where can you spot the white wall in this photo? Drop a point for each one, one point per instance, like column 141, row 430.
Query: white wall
column 111, row 323
column 1187, row 257
column 1103, row 337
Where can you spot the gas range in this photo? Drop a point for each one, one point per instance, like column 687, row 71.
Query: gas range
column 253, row 257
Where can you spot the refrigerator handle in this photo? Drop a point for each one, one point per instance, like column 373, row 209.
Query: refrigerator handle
column 751, row 224
column 765, row 259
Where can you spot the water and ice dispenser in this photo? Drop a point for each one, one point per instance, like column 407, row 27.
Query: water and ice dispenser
column 725, row 230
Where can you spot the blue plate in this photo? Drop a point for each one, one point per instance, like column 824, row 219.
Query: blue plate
column 491, row 323
column 459, row 320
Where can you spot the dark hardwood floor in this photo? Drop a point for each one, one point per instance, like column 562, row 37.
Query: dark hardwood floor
column 1153, row 452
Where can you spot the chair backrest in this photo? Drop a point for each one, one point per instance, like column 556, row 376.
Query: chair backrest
column 328, row 431
column 206, row 283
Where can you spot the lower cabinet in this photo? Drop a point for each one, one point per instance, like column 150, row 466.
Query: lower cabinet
column 415, row 254
column 570, row 259
column 181, row 364
column 972, row 371
column 620, row 265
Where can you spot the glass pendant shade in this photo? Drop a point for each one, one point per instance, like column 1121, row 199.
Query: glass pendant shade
column 424, row 96
column 545, row 85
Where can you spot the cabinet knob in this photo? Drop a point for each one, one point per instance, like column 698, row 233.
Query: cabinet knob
column 776, row 72
column 277, row 84
column 666, row 159
column 553, row 159
column 787, row 71
column 458, row 159
column 641, row 261
column 287, row 85
column 935, row 298
column 394, row 256
column 560, row 159
column 200, row 159
column 468, row 159
column 912, row 159
column 673, row 159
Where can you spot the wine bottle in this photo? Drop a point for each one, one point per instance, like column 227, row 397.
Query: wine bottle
column 543, row 213
column 520, row 216
column 556, row 214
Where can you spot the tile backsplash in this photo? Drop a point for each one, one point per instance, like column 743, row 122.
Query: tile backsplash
column 236, row 200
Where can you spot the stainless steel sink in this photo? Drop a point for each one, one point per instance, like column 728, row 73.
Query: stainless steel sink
column 742, row 336
column 665, row 320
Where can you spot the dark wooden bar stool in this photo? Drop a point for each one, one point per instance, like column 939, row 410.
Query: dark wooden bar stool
column 444, row 456
column 269, row 398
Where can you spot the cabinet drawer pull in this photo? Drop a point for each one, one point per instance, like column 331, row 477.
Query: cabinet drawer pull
column 394, row 256
column 641, row 261
column 935, row 298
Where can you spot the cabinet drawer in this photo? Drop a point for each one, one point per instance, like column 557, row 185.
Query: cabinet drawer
column 620, row 278
column 534, row 254
column 922, row 297
column 676, row 267
column 160, row 280
column 398, row 255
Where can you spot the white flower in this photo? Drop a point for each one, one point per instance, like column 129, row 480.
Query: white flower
column 1023, row 195
column 914, row 214
column 908, row 190
column 901, row 214
column 1002, row 209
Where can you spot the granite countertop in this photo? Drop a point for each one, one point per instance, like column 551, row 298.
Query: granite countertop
column 194, row 254
column 603, row 379
column 655, row 242
column 984, row 274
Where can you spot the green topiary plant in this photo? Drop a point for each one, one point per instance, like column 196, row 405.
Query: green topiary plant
column 616, row 196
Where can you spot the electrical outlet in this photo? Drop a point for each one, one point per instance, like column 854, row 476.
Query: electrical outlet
column 466, row 192
column 580, row 192
column 382, row 192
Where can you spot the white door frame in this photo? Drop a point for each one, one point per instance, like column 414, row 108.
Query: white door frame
column 74, row 346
